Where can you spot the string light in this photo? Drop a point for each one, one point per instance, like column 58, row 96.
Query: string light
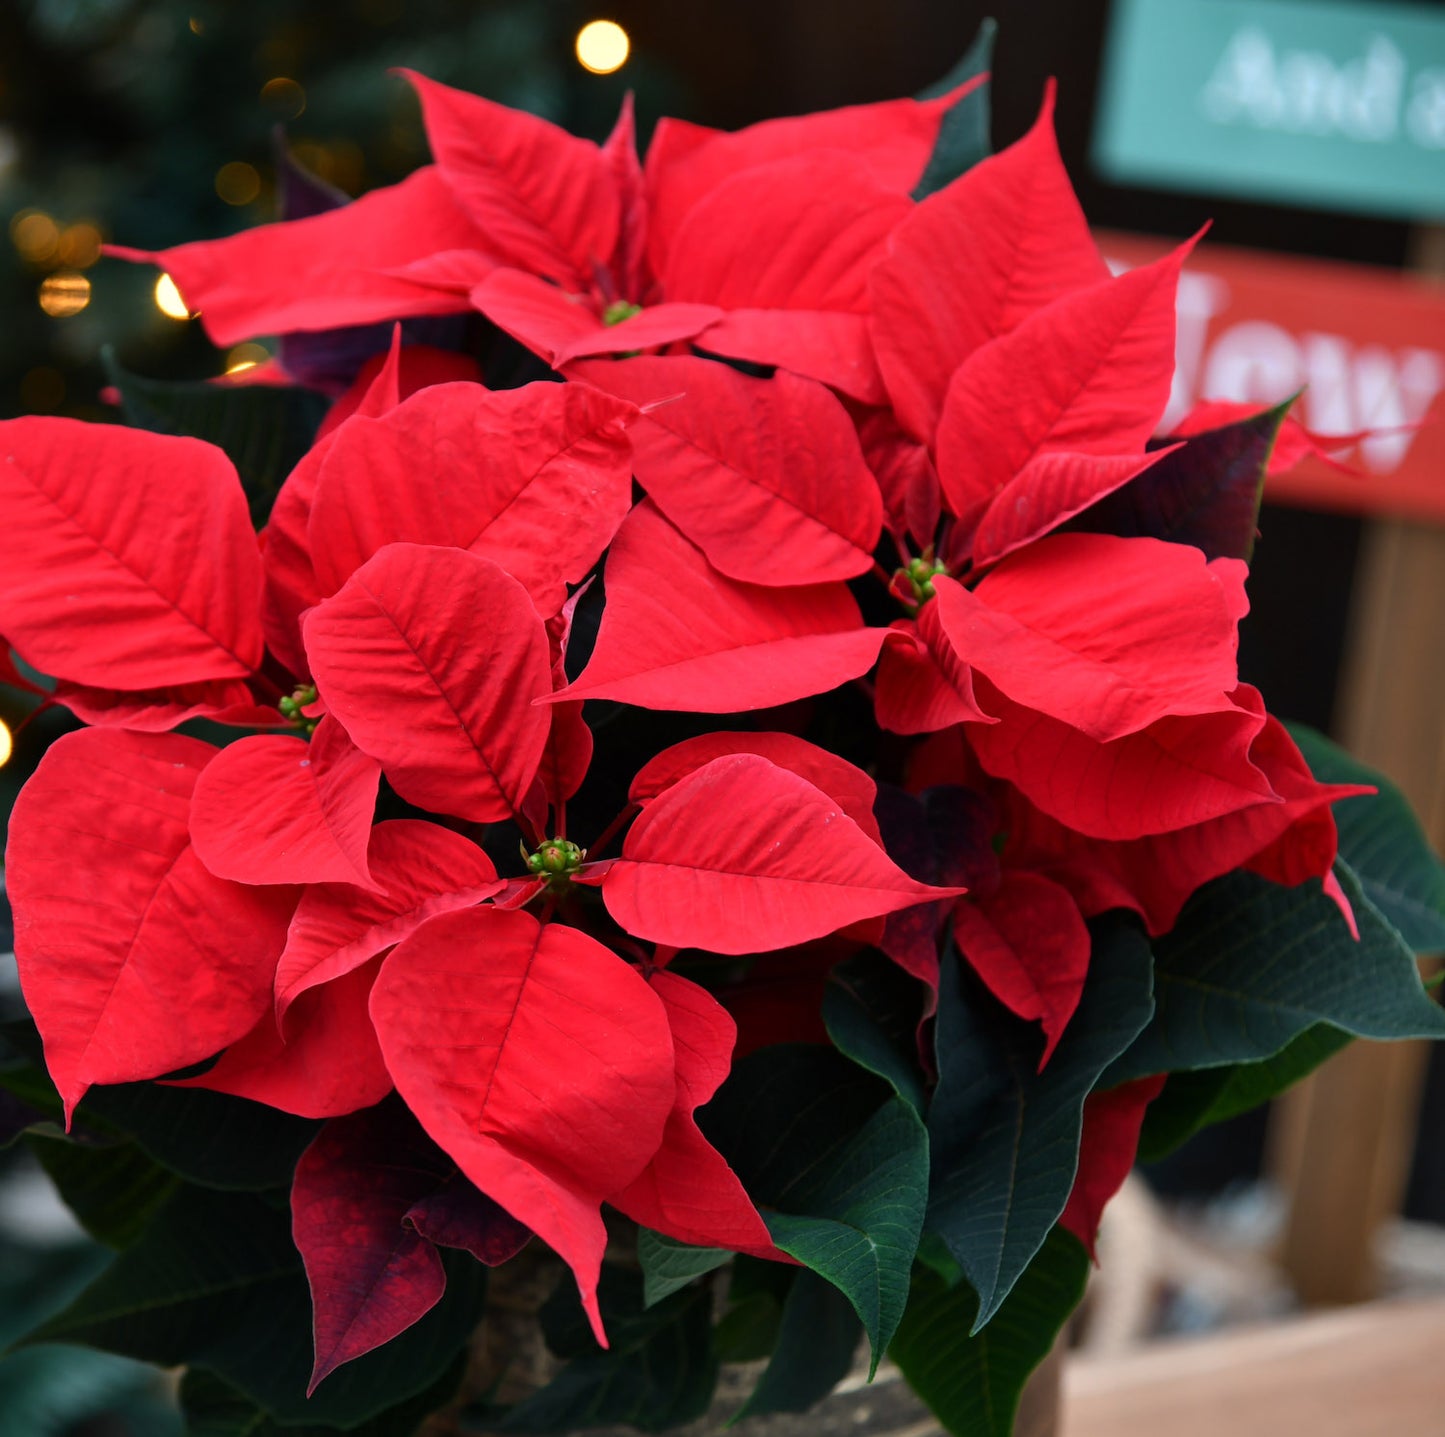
column 168, row 299
column 602, row 46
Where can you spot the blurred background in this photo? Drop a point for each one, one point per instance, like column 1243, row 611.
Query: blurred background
column 152, row 122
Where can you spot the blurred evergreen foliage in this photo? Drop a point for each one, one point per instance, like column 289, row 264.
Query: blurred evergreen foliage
column 117, row 118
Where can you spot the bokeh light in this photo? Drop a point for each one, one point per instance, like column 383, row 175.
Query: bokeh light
column 35, row 235
column 168, row 299
column 79, row 246
column 283, row 97
column 63, row 294
column 7, row 744
column 602, row 46
column 238, row 183
column 246, row 356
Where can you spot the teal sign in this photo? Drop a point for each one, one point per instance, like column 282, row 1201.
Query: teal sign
column 1309, row 102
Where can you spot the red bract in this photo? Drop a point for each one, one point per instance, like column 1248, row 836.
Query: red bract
column 751, row 874
column 432, row 658
column 765, row 476
column 677, row 634
column 536, row 480
column 106, row 969
column 281, row 810
column 89, row 595
column 950, row 284
column 545, row 1071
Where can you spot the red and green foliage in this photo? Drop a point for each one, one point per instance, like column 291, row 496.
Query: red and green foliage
column 772, row 857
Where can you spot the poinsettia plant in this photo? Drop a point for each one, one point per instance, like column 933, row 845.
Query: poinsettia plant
column 724, row 762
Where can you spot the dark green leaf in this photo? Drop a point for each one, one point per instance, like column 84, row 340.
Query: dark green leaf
column 264, row 428
column 1251, row 965
column 1382, row 841
column 214, row 1409
column 1005, row 1136
column 659, row 1372
column 111, row 1190
column 840, row 1167
column 872, row 1008
column 748, row 1330
column 971, row 1380
column 1206, row 493
column 211, row 1139
column 963, row 137
column 815, row 1099
column 215, row 1281
column 857, row 1221
column 1193, row 1100
column 668, row 1265
column 816, row 1341
column 56, row 1391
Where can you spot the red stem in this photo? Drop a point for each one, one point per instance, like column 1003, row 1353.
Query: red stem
column 611, row 831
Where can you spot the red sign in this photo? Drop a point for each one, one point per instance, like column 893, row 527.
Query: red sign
column 1367, row 347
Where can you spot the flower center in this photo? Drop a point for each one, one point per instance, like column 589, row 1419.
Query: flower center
column 293, row 706
column 619, row 310
column 556, row 860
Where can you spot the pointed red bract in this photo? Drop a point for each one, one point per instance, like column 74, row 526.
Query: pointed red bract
column 386, row 379
column 973, row 261
column 765, row 476
column 431, row 658
column 543, row 199
column 630, row 270
column 688, row 1191
column 1112, row 1123
column 1048, row 490
column 101, row 583
column 676, row 634
column 1104, row 634
column 372, row 1194
column 1287, row 840
column 535, row 479
column 562, row 327
column 539, row 1060
column 1028, row 942
column 422, row 869
column 1173, row 774
column 920, row 686
column 892, row 141
column 324, row 271
column 742, row 856
column 568, row 754
column 1089, row 374
column 905, row 473
column 328, row 1062
column 134, row 960
column 842, row 781
column 291, row 583
column 276, row 809
column 227, row 701
column 786, row 248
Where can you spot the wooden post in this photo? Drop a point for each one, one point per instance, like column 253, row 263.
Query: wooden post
column 1342, row 1142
